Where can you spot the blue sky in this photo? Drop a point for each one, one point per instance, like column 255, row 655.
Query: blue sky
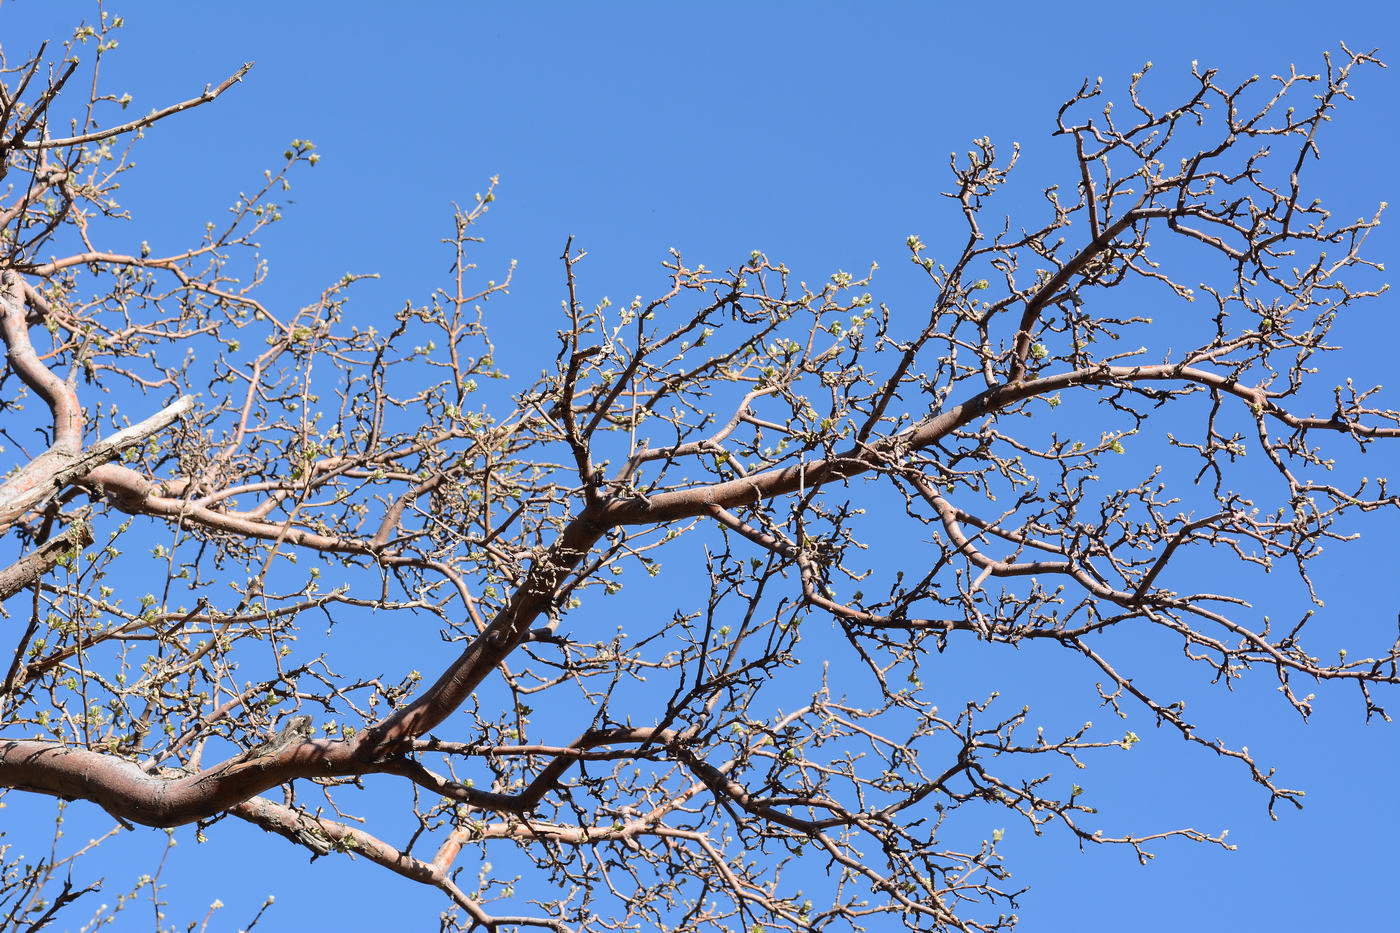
column 818, row 133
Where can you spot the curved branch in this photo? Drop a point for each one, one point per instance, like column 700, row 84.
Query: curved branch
column 210, row 93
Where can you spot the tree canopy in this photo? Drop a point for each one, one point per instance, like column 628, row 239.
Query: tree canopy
column 845, row 497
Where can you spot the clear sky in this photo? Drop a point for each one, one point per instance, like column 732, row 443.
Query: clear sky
column 819, row 133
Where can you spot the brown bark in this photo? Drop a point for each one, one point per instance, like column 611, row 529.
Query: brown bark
column 44, row 558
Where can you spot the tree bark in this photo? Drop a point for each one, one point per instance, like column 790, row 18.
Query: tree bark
column 38, row 562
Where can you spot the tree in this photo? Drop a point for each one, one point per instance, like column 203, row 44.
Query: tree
column 688, row 776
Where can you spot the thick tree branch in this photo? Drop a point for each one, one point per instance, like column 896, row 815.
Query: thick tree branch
column 29, row 568
column 56, row 468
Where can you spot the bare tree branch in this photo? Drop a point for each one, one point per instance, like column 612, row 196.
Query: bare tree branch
column 918, row 481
